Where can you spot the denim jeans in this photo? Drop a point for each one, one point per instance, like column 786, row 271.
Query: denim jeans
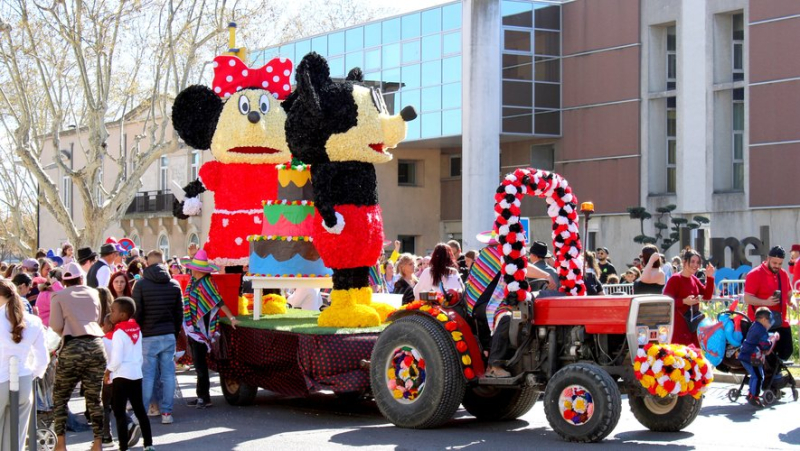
column 159, row 353
column 756, row 377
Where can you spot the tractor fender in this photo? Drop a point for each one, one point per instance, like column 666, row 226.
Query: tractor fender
column 459, row 331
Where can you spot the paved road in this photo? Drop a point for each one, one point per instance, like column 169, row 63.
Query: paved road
column 326, row 423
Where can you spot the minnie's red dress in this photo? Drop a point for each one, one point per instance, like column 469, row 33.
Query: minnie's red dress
column 239, row 190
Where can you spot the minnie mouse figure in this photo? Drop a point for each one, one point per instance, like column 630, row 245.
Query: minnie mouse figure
column 242, row 122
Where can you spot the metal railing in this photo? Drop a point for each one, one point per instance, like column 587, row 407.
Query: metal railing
column 151, row 202
column 617, row 288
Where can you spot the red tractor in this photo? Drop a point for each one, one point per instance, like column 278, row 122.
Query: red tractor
column 578, row 350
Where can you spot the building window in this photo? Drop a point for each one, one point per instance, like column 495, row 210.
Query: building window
column 672, row 58
column 738, row 47
column 163, row 173
column 455, row 165
column 672, row 146
column 407, row 172
column 194, row 167
column 123, row 156
column 408, row 243
column 136, row 241
column 738, row 139
column 163, row 245
column 66, row 190
column 194, row 239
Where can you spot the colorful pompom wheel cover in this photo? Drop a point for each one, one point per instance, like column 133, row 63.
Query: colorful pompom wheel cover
column 576, row 405
column 405, row 374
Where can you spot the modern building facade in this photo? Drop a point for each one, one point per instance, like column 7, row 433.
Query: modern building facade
column 636, row 102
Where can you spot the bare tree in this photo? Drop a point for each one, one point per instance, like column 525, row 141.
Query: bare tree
column 18, row 228
column 87, row 64
column 327, row 16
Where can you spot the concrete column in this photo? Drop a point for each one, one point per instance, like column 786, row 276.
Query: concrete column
column 481, row 115
column 694, row 66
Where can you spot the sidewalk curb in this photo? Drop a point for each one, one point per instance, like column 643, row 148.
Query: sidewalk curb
column 726, row 378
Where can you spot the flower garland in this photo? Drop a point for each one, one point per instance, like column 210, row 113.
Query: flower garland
column 406, row 374
column 671, row 369
column 307, row 203
column 279, row 238
column 450, row 326
column 292, row 167
column 576, row 405
column 563, row 210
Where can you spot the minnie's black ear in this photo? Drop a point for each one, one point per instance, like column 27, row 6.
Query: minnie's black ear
column 356, row 75
column 195, row 114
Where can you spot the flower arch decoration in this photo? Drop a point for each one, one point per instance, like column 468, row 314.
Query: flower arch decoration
column 562, row 209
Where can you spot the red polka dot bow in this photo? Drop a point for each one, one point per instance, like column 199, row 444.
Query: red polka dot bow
column 231, row 75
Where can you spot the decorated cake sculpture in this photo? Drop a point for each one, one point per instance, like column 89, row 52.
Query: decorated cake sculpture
column 242, row 122
column 341, row 129
column 285, row 247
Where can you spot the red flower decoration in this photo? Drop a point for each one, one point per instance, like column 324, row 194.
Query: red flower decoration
column 468, row 373
column 421, row 364
column 232, row 75
column 450, row 326
column 461, row 346
column 408, row 360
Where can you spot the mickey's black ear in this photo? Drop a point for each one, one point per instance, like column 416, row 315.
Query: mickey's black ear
column 195, row 114
column 316, row 67
column 355, row 74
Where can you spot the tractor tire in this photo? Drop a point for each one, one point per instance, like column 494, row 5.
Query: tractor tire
column 237, row 393
column 499, row 404
column 582, row 403
column 435, row 371
column 665, row 414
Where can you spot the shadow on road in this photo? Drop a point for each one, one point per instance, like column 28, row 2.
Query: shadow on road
column 791, row 437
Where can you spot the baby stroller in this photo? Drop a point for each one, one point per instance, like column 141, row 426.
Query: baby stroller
column 721, row 342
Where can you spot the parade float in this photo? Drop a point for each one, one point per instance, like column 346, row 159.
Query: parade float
column 426, row 359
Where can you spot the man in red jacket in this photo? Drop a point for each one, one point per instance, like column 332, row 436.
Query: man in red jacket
column 768, row 285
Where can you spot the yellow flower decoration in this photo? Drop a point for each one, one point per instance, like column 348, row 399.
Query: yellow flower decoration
column 466, row 360
column 653, row 351
column 580, row 405
column 457, row 336
column 661, row 391
column 391, row 374
column 637, row 366
column 567, row 404
column 669, row 360
column 397, row 394
column 442, row 317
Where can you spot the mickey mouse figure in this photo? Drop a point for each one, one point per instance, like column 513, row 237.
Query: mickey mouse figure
column 341, row 129
column 241, row 121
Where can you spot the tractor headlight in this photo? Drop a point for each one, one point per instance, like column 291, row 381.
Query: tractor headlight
column 663, row 333
column 642, row 335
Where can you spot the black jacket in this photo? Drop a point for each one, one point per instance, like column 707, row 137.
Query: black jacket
column 159, row 302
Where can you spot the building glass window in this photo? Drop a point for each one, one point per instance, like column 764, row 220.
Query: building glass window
column 302, row 49
column 455, row 165
column 431, row 21
column 410, row 25
column 738, row 139
column 320, row 45
column 517, row 40
column 407, row 173
column 451, row 43
column 355, row 59
column 163, row 178
column 451, row 69
column 672, row 146
column 194, row 165
column 410, row 52
column 672, row 58
column 407, row 243
column 193, row 239
column 391, row 55
column 431, row 47
column 431, row 99
column 354, row 39
column 163, row 245
column 738, row 47
column 451, row 17
column 391, row 31
column 136, row 241
column 451, row 96
column 336, row 43
column 432, row 73
column 411, row 78
column 372, row 34
column 516, row 14
column 451, row 122
column 431, row 124
column 337, row 67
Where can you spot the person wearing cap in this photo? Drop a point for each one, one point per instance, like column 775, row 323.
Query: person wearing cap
column 201, row 305
column 794, row 266
column 31, row 267
column 538, row 256
column 75, row 315
column 768, row 285
column 86, row 258
column 606, row 268
column 100, row 272
column 159, row 313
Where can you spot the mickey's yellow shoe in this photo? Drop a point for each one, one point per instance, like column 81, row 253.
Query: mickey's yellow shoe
column 363, row 296
column 345, row 312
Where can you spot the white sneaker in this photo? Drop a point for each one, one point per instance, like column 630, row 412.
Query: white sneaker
column 166, row 418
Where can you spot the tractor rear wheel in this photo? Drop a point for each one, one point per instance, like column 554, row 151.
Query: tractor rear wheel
column 415, row 373
column 237, row 393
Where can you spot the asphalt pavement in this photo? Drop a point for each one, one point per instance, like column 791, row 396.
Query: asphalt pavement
column 324, row 422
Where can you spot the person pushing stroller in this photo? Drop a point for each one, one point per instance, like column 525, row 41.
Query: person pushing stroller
column 756, row 345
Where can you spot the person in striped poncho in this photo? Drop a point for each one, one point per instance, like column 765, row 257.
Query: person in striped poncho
column 201, row 305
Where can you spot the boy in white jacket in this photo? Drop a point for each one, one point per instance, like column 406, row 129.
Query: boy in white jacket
column 124, row 370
